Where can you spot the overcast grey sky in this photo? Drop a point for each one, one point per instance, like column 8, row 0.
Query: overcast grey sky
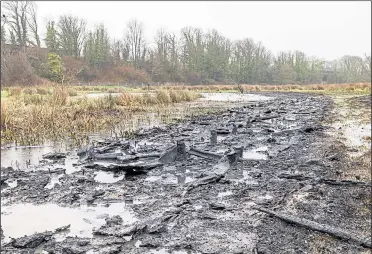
column 325, row 29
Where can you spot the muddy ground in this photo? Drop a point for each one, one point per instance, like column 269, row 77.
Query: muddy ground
column 135, row 202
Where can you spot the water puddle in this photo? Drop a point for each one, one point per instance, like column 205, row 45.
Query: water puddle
column 233, row 97
column 30, row 158
column 256, row 154
column 153, row 178
column 353, row 132
column 221, row 138
column 198, row 207
column 11, row 184
column 224, row 194
column 170, row 168
column 221, row 151
column 170, row 179
column 26, row 219
column 53, row 181
column 246, row 178
column 165, row 251
column 138, row 200
column 95, row 95
column 70, row 165
column 263, row 198
column 107, row 177
column 256, row 130
column 23, row 157
column 182, row 179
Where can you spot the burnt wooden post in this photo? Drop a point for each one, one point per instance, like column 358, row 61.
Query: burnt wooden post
column 249, row 123
column 181, row 147
column 233, row 158
column 239, row 151
column 213, row 138
column 235, row 129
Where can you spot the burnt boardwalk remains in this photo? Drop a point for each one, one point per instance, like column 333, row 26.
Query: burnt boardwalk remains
column 197, row 187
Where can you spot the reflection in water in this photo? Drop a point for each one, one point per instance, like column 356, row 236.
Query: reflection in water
column 29, row 158
column 53, row 181
column 153, row 178
column 23, row 157
column 26, row 219
column 107, row 177
column 11, row 184
column 182, row 179
column 224, row 194
column 170, row 179
column 165, row 251
column 233, row 97
column 256, row 154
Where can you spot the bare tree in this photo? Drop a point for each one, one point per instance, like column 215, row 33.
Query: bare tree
column 135, row 39
column 366, row 64
column 16, row 14
column 162, row 43
column 32, row 23
column 125, row 49
column 3, row 32
column 116, row 53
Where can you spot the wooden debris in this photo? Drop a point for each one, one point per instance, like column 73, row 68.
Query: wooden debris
column 134, row 168
column 213, row 138
column 169, row 155
column 212, row 178
column 106, row 156
column 333, row 231
column 344, row 182
column 204, row 154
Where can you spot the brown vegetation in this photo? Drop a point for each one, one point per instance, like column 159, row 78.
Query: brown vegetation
column 16, row 69
column 30, row 117
column 314, row 87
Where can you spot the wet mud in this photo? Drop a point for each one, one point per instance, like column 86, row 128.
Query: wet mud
column 195, row 187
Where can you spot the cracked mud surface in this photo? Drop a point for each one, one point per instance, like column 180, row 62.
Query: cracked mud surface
column 287, row 152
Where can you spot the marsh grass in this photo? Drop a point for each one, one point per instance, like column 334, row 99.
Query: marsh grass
column 29, row 118
column 42, row 91
column 31, row 114
column 4, row 116
column 59, row 97
column 15, row 91
column 72, row 92
column 355, row 88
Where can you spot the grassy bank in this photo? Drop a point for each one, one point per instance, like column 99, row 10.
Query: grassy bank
column 31, row 114
column 30, row 117
column 72, row 90
column 355, row 88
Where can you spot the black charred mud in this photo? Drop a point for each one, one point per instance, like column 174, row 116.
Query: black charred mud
column 190, row 190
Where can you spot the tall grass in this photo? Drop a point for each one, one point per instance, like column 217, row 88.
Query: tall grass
column 72, row 92
column 163, row 96
column 59, row 97
column 30, row 118
column 4, row 116
column 42, row 91
column 15, row 91
column 354, row 87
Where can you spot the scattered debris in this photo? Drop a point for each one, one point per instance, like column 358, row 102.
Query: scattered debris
column 336, row 232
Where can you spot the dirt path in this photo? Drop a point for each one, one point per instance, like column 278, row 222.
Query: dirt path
column 291, row 164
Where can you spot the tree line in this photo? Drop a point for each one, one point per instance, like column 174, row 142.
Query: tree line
column 192, row 56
